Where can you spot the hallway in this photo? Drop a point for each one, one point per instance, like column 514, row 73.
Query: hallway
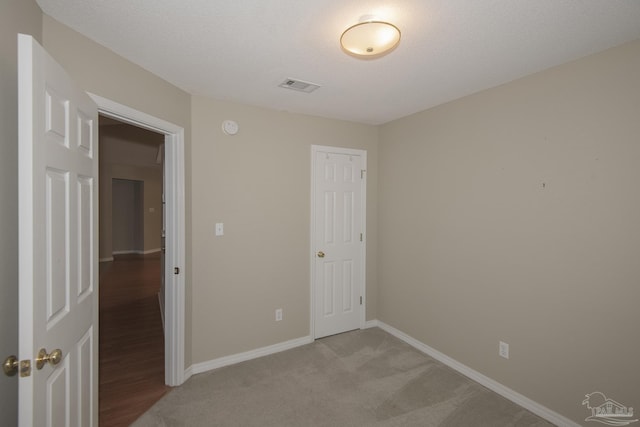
column 131, row 339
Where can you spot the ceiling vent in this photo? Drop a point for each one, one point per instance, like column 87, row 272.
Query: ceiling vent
column 299, row 85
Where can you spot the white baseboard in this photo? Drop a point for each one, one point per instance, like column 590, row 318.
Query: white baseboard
column 371, row 324
column 187, row 373
column 525, row 402
column 136, row 251
column 247, row 355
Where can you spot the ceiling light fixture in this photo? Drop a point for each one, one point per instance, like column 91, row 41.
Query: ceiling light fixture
column 370, row 38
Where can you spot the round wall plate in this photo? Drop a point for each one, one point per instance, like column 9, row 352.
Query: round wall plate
column 230, row 127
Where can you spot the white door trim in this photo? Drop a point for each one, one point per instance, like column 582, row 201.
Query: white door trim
column 175, row 232
column 312, row 255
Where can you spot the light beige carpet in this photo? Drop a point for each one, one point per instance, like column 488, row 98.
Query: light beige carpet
column 360, row 378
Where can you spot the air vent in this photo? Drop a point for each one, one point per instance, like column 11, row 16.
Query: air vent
column 299, row 85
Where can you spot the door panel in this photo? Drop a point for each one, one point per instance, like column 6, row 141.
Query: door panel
column 58, row 173
column 85, row 236
column 56, row 217
column 86, row 378
column 338, row 188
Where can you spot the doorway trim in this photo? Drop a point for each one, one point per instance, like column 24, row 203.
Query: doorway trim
column 312, row 253
column 174, row 372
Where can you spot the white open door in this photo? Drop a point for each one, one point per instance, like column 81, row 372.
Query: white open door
column 58, row 181
column 338, row 187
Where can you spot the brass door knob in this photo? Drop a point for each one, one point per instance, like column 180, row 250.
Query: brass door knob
column 53, row 358
column 320, row 254
column 10, row 366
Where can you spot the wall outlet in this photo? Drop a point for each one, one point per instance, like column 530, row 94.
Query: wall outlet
column 278, row 315
column 503, row 349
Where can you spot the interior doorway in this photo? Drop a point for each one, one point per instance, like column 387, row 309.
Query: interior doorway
column 174, row 242
column 338, row 239
column 131, row 294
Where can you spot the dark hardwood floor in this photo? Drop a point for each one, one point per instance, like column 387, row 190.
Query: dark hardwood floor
column 131, row 339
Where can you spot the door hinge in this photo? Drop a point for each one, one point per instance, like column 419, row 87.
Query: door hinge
column 361, row 237
column 176, row 270
column 361, row 300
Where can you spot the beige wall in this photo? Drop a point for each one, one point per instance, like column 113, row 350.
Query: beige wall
column 100, row 71
column 258, row 184
column 16, row 16
column 128, row 152
column 512, row 215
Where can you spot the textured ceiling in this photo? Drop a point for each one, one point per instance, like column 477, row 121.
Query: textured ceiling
column 240, row 50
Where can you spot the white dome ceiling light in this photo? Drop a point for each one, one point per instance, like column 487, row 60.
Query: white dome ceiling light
column 370, row 38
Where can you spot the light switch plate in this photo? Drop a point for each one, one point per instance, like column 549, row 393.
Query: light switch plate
column 219, row 229
column 503, row 349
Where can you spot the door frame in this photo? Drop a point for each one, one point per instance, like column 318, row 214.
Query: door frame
column 363, row 211
column 174, row 331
